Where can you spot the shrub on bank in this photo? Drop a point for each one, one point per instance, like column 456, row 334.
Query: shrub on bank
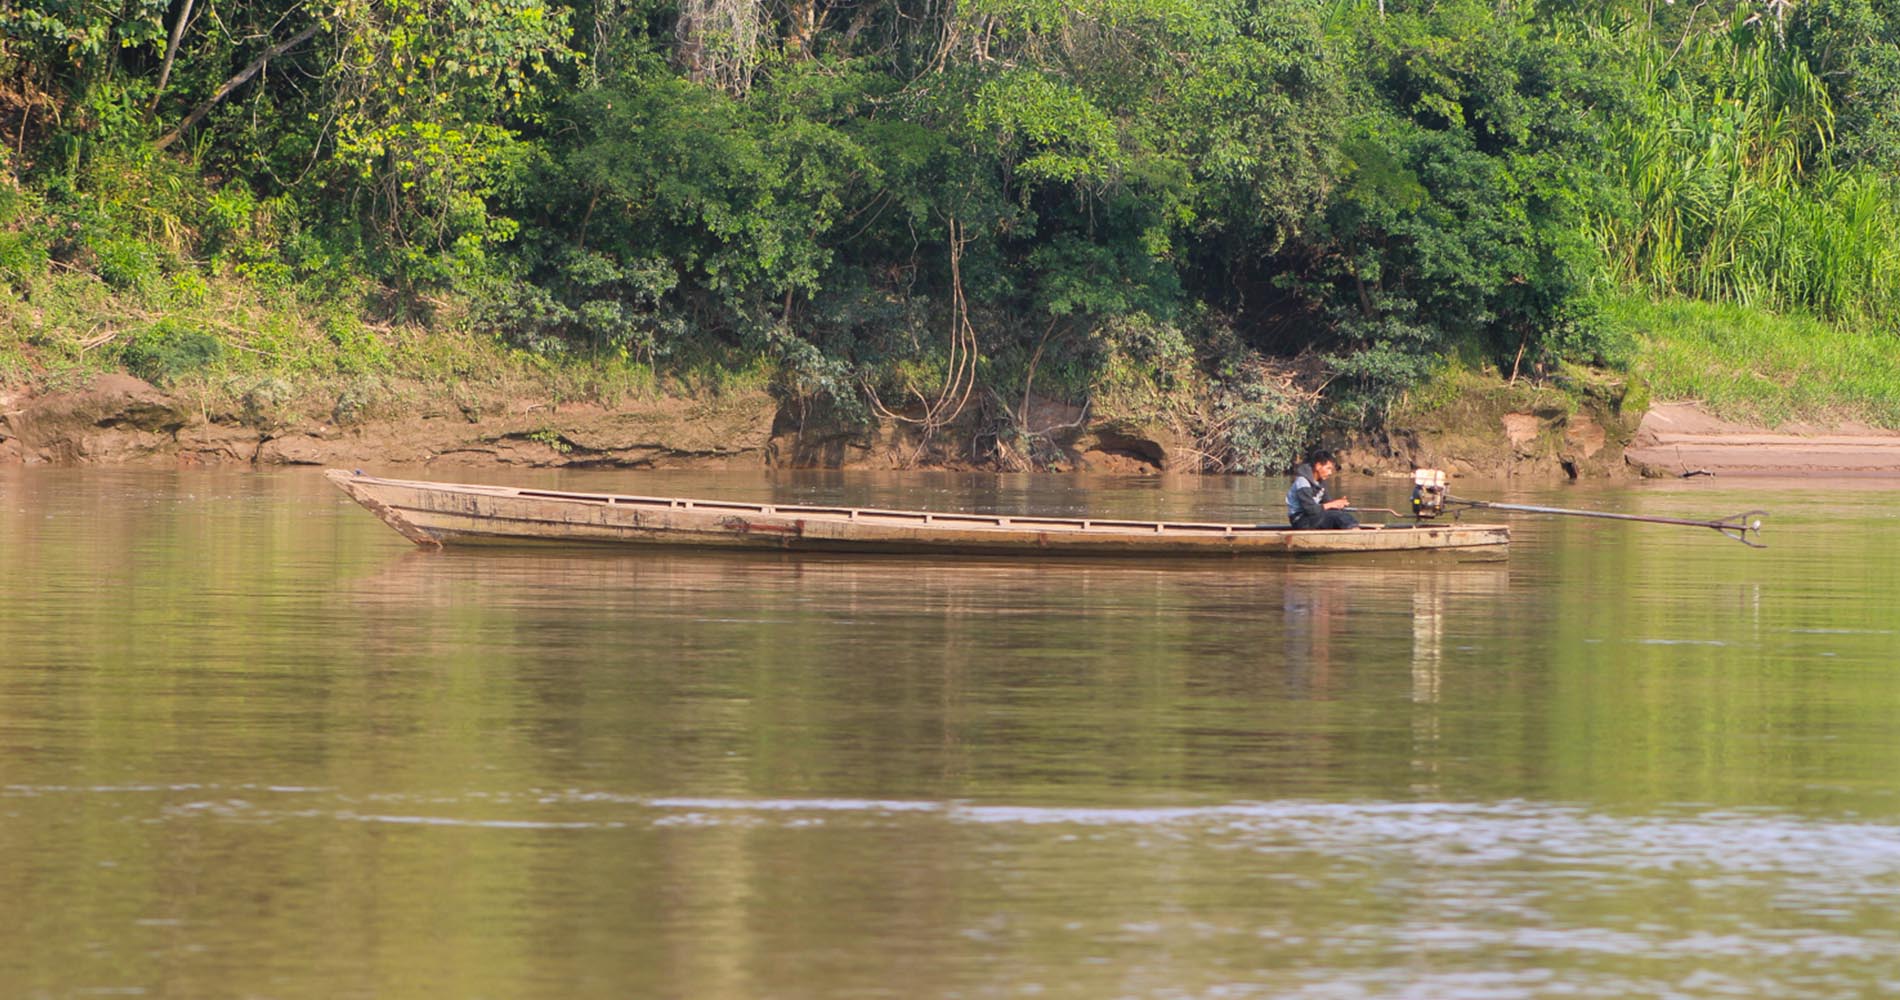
column 168, row 350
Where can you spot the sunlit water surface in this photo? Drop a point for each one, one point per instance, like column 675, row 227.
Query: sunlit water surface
column 253, row 744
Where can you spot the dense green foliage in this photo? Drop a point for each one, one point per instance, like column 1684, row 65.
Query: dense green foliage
column 931, row 211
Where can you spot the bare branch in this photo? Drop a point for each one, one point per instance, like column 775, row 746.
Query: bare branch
column 237, row 81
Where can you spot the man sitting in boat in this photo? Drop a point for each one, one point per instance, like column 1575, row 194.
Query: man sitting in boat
column 1306, row 503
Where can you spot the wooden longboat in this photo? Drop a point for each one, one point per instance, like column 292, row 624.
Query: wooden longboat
column 435, row 514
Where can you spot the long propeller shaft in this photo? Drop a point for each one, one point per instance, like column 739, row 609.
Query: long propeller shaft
column 1737, row 526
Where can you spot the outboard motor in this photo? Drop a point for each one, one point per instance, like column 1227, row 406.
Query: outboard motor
column 1428, row 493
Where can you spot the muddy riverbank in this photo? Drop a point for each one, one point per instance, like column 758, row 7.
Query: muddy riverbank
column 1683, row 439
column 1498, row 431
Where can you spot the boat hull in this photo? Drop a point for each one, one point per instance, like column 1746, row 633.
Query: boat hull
column 434, row 514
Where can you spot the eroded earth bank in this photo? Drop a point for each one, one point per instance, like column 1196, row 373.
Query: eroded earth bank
column 1505, row 431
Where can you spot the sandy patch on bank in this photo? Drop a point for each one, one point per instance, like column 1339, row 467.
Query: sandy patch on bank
column 1675, row 438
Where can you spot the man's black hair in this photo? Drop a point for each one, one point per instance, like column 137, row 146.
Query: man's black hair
column 1319, row 455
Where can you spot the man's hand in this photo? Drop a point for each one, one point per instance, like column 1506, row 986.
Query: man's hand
column 1336, row 504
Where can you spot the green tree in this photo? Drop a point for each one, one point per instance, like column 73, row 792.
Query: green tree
column 420, row 94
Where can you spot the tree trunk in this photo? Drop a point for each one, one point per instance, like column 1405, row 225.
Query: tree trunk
column 690, row 57
column 802, row 27
column 235, row 82
column 171, row 52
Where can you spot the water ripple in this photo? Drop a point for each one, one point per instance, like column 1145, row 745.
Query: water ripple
column 1853, row 858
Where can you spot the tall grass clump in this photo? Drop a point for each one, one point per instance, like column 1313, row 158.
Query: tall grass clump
column 1730, row 192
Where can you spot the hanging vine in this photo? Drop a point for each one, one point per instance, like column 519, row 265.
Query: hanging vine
column 960, row 373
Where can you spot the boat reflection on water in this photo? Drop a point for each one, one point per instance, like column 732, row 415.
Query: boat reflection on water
column 1319, row 605
column 1339, row 622
column 1263, row 675
column 1332, row 615
column 548, row 576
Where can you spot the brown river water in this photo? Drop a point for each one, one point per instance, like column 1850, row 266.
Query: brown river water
column 253, row 744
